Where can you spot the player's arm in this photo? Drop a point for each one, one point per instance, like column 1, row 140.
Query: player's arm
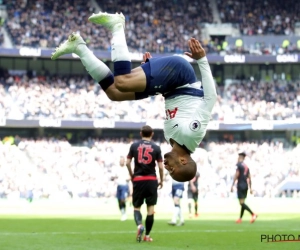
column 161, row 174
column 193, row 187
column 208, row 83
column 113, row 175
column 128, row 161
column 236, row 176
column 128, row 165
column 160, row 168
column 250, row 183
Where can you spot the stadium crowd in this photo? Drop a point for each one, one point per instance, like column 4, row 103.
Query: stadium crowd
column 1, row 37
column 51, row 168
column 252, row 100
column 155, row 26
column 261, row 17
column 69, row 98
column 23, row 97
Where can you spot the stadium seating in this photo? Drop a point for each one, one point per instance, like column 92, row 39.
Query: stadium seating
column 156, row 25
column 1, row 37
column 261, row 17
column 160, row 26
column 69, row 98
column 47, row 24
column 253, row 100
column 81, row 98
column 51, row 168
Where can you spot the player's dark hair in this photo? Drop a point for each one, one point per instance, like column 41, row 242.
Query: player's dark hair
column 146, row 131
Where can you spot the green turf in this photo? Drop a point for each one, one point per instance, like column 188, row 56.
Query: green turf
column 210, row 232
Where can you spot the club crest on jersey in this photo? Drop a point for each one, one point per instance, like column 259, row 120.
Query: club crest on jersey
column 195, row 125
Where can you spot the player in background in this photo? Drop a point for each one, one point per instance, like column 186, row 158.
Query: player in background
column 122, row 178
column 145, row 184
column 177, row 192
column 193, row 195
column 243, row 178
column 188, row 102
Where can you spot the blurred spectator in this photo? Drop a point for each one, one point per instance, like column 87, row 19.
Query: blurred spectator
column 157, row 26
column 69, row 98
column 1, row 37
column 51, row 168
column 252, row 100
column 77, row 97
column 261, row 17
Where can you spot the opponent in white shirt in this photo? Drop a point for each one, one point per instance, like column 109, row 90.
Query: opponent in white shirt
column 188, row 105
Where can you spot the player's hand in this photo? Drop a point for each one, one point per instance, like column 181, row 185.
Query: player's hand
column 197, row 52
column 194, row 189
column 251, row 191
column 231, row 190
column 160, row 185
column 146, row 56
column 131, row 178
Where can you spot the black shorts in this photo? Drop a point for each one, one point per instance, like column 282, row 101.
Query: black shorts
column 144, row 191
column 242, row 193
column 192, row 195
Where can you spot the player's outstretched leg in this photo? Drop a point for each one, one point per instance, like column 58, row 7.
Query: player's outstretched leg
column 120, row 55
column 69, row 46
column 96, row 68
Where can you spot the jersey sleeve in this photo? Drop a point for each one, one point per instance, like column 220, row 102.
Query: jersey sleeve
column 239, row 167
column 159, row 156
column 131, row 152
column 208, row 84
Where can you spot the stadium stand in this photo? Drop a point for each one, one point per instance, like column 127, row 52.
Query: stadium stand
column 81, row 98
column 166, row 29
column 1, row 37
column 47, row 168
column 252, row 100
column 161, row 26
column 155, row 26
column 47, row 24
column 68, row 98
column 261, row 17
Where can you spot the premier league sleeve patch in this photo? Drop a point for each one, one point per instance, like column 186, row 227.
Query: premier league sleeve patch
column 195, row 125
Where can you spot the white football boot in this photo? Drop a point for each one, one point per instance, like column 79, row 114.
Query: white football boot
column 68, row 46
column 107, row 20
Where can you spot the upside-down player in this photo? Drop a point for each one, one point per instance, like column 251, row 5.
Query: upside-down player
column 188, row 102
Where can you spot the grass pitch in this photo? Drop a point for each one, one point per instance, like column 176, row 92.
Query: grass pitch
column 38, row 227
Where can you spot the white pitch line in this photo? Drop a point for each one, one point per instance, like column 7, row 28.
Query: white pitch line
column 132, row 232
